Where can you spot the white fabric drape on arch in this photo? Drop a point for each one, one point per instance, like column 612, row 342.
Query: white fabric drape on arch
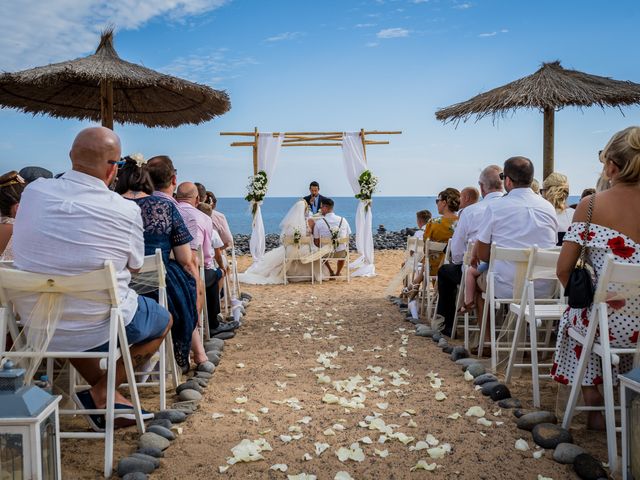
column 354, row 164
column 268, row 153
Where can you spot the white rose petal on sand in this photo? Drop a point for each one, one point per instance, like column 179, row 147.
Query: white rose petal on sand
column 281, row 467
column 343, row 476
column 423, row 465
column 475, row 412
column 522, row 445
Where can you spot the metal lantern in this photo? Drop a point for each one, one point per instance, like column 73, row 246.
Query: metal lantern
column 630, row 403
column 29, row 430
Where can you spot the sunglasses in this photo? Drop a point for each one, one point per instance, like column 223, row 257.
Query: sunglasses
column 120, row 163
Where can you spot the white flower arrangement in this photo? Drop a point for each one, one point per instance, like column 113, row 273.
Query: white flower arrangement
column 257, row 189
column 297, row 236
column 335, row 234
column 368, row 183
column 138, row 158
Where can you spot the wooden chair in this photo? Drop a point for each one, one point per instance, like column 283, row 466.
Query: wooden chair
column 295, row 251
column 101, row 281
column 624, row 275
column 532, row 315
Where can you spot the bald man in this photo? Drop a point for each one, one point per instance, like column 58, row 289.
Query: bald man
column 201, row 228
column 468, row 196
column 72, row 225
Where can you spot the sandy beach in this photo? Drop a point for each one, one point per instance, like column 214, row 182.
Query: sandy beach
column 274, row 359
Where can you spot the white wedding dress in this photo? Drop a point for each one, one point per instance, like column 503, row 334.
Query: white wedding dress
column 270, row 270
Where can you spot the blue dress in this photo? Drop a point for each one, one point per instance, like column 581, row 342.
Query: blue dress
column 164, row 228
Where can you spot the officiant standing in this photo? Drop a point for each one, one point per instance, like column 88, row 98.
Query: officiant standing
column 314, row 199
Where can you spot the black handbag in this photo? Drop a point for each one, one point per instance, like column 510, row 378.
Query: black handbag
column 580, row 288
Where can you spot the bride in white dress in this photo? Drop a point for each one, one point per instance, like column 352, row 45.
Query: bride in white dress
column 270, row 270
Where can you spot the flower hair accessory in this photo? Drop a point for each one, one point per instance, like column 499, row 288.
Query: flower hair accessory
column 138, row 158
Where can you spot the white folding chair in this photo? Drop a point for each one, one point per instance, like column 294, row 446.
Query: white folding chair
column 624, row 276
column 330, row 257
column 99, row 281
column 467, row 328
column 535, row 313
column 429, row 288
column 164, row 358
column 295, row 251
column 203, row 316
column 520, row 258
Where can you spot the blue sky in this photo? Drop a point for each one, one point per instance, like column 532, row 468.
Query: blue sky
column 292, row 65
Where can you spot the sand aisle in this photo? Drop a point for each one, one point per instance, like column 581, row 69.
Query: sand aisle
column 274, row 358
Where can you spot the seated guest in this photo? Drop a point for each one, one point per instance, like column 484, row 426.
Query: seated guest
column 449, row 276
column 11, row 187
column 71, row 226
column 165, row 229
column 30, row 174
column 535, row 186
column 520, row 219
column 441, row 229
column 220, row 223
column 422, row 218
column 555, row 189
column 585, row 193
column 468, row 196
column 209, row 240
column 614, row 231
column 332, row 226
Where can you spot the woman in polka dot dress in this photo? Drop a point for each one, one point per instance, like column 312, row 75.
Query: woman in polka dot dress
column 615, row 230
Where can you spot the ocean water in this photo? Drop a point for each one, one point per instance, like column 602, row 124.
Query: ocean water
column 395, row 213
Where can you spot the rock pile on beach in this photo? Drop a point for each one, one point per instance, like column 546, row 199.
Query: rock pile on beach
column 381, row 241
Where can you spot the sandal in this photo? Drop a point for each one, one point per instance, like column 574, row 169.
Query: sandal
column 467, row 307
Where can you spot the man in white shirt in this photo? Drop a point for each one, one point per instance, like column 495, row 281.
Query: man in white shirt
column 422, row 218
column 520, row 219
column 468, row 197
column 72, row 225
column 469, row 223
column 332, row 225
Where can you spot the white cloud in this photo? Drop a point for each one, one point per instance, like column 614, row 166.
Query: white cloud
column 462, row 6
column 212, row 68
column 393, row 33
column 365, row 25
column 36, row 32
column 504, row 30
column 372, row 44
column 283, row 36
column 488, row 34
column 420, row 1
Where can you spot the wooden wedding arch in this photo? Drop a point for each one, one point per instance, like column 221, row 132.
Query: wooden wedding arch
column 307, row 139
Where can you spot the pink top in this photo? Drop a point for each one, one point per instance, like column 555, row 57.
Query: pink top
column 201, row 229
column 221, row 226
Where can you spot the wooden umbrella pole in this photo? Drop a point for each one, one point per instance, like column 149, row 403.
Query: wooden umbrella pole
column 547, row 149
column 106, row 103
column 255, row 150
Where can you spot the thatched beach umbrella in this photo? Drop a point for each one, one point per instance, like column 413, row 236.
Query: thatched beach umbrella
column 103, row 87
column 550, row 88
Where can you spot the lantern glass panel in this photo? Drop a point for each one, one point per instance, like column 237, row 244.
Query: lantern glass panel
column 11, row 456
column 48, row 442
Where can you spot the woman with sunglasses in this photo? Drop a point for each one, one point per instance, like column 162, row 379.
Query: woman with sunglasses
column 11, row 188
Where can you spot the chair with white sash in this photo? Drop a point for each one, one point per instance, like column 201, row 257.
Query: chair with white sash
column 296, row 248
column 534, row 316
column 519, row 257
column 100, row 285
column 429, row 288
column 625, row 278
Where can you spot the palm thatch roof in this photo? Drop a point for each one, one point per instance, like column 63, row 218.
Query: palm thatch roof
column 72, row 89
column 551, row 87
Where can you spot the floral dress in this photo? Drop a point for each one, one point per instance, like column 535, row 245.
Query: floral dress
column 164, row 228
column 439, row 230
column 624, row 315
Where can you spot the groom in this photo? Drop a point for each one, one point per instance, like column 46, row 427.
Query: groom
column 315, row 199
column 323, row 229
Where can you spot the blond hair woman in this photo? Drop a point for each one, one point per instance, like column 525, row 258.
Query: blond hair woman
column 555, row 189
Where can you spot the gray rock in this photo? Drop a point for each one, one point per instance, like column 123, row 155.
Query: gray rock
column 487, row 387
column 566, row 453
column 530, row 420
column 152, row 452
column 448, row 349
column 214, row 344
column 189, row 394
column 148, row 458
column 424, row 330
column 459, row 353
column 225, row 336
column 213, row 357
column 132, row 465
column 510, row 403
column 206, row 367
column 190, row 385
column 135, row 476
column 476, row 369
column 465, row 362
column 436, row 337
column 204, row 375
column 163, row 422
column 246, row 296
column 163, row 432
column 414, row 321
column 203, row 382
column 499, row 392
column 188, row 406
column 153, row 440
column 484, row 378
column 588, row 467
column 519, row 412
column 548, row 435
column 173, row 416
column 443, row 342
